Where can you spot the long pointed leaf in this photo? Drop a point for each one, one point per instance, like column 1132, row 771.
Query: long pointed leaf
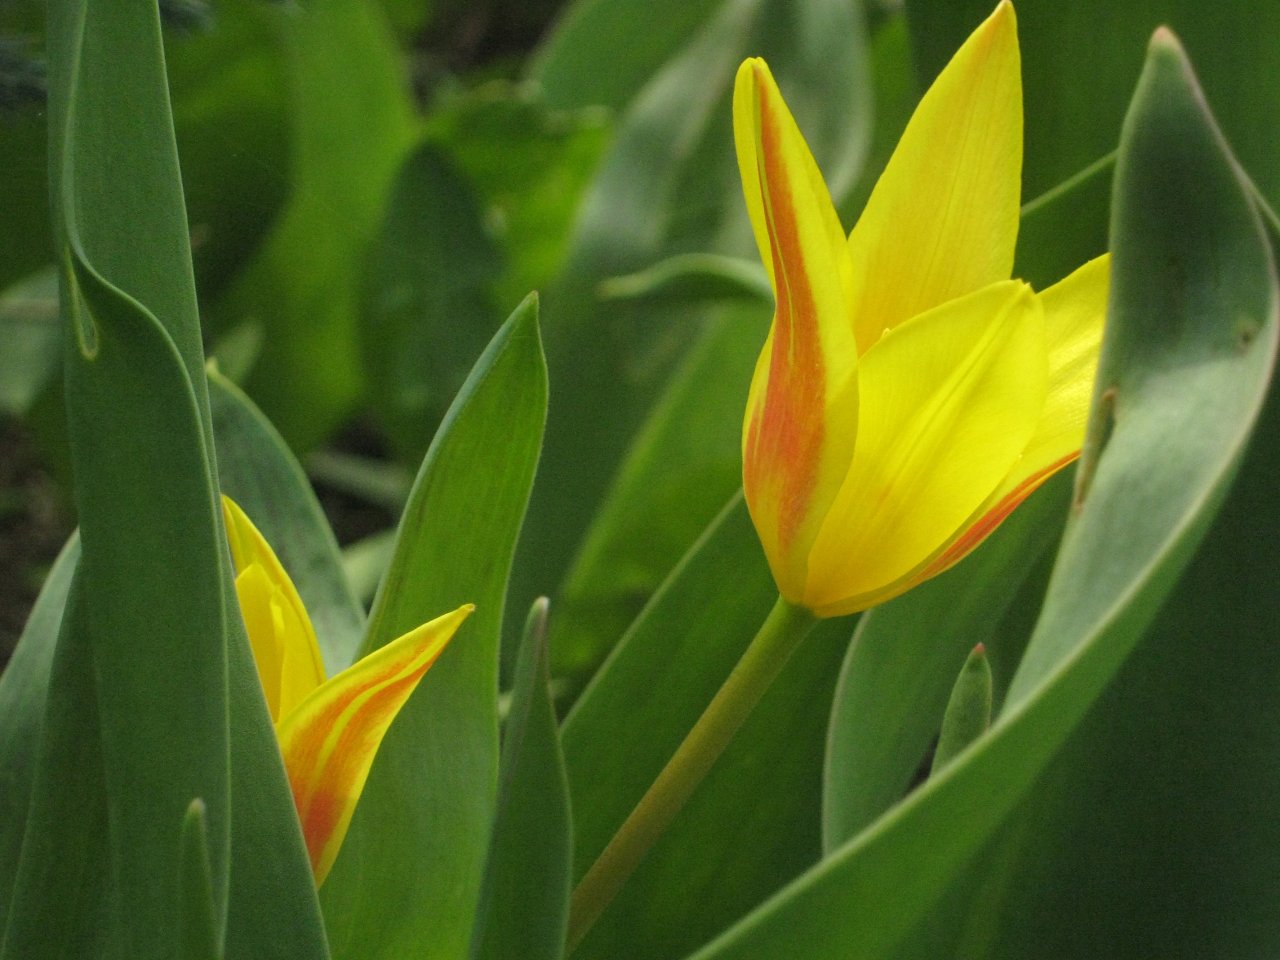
column 409, row 873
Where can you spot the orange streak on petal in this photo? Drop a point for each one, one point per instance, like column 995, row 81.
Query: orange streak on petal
column 785, row 438
column 330, row 740
column 986, row 524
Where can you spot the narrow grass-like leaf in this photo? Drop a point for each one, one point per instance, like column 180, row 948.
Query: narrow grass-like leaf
column 525, row 903
column 409, row 873
column 259, row 472
column 1185, row 368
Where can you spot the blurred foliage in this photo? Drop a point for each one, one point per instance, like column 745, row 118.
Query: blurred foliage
column 369, row 188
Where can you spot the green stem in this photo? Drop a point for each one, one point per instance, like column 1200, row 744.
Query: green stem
column 779, row 636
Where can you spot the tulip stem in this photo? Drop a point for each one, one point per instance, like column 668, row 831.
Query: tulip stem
column 777, row 639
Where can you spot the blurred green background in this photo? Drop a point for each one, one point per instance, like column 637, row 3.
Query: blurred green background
column 373, row 187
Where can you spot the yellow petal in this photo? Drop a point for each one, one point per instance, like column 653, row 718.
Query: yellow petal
column 943, row 219
column 948, row 403
column 801, row 410
column 1074, row 311
column 330, row 740
column 280, row 632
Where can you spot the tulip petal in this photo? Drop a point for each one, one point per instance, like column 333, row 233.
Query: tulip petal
column 801, row 414
column 1074, row 311
column 280, row 632
column 330, row 740
column 942, row 220
column 948, row 403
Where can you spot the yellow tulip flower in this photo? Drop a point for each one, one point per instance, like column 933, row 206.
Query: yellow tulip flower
column 329, row 730
column 909, row 394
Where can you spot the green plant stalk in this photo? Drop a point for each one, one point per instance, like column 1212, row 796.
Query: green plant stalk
column 779, row 636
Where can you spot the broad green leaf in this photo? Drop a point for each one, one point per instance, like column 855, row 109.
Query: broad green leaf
column 29, row 340
column 257, row 470
column 153, row 630
column 1185, row 368
column 353, row 124
column 428, row 298
column 150, row 636
column 408, row 877
column 24, row 686
column 525, row 903
column 904, row 658
column 753, row 823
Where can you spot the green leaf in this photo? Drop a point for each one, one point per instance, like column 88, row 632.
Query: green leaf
column 257, row 470
column 968, row 711
column 24, row 686
column 61, row 904
column 1187, row 361
column 525, row 902
column 752, row 825
column 409, row 873
column 149, row 636
column 151, row 647
column 228, row 80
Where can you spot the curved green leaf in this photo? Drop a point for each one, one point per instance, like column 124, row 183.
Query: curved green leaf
column 1185, row 368
column 408, row 876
